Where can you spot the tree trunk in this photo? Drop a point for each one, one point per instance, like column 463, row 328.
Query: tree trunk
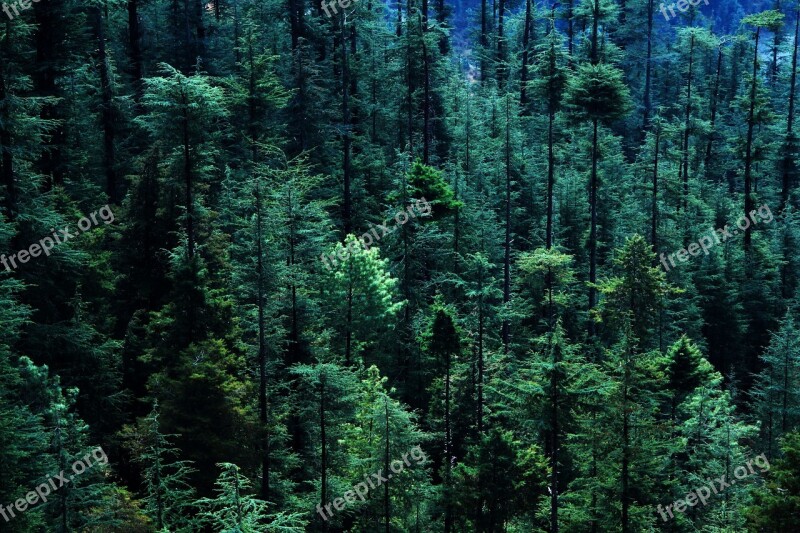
column 595, row 22
column 526, row 38
column 570, row 30
column 714, row 104
column 685, row 149
column 107, row 109
column 135, row 47
column 347, row 211
column 555, row 441
column 349, row 332
column 748, row 162
column 448, row 451
column 784, row 413
column 386, row 500
column 648, row 70
column 593, row 230
column 441, row 19
column 776, row 41
column 501, row 45
column 187, row 176
column 484, row 41
column 788, row 162
column 507, row 250
column 654, row 201
column 6, row 143
column 262, row 352
column 551, row 177
column 324, row 448
column 625, row 449
column 427, row 125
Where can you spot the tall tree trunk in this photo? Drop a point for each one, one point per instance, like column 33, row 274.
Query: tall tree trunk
column 595, row 22
column 324, row 447
column 551, row 177
column 200, row 30
column 748, row 162
column 448, row 451
column 788, row 162
column 348, row 342
column 479, row 417
column 776, row 41
column 507, row 248
column 714, row 104
column 685, row 148
column 526, row 38
column 187, row 176
column 262, row 350
column 135, row 47
column 654, row 201
column 789, row 165
column 555, row 442
column 427, row 126
column 480, row 350
column 107, row 109
column 484, row 41
column 593, row 230
column 593, row 475
column 399, row 30
column 6, row 144
column 386, row 500
column 409, row 89
column 441, row 19
column 625, row 449
column 294, row 328
column 501, row 46
column 570, row 30
column 648, row 105
column 159, row 487
column 785, row 411
column 45, row 81
column 346, row 171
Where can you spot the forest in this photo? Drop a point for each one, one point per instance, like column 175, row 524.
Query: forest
column 385, row 266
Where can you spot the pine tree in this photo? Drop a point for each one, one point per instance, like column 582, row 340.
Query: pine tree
column 776, row 393
column 167, row 493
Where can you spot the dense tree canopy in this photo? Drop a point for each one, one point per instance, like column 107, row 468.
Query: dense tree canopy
column 362, row 265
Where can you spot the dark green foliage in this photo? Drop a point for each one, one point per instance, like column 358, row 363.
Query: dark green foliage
column 777, row 507
column 428, row 183
column 561, row 328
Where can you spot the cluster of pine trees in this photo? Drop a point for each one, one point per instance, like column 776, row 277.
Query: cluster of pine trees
column 523, row 333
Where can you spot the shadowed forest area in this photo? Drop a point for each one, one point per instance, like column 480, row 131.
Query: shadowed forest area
column 369, row 266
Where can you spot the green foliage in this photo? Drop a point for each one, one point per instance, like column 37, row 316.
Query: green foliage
column 234, row 510
column 634, row 294
column 597, row 92
column 243, row 146
column 167, row 494
column 771, row 20
column 776, row 394
column 359, row 294
column 777, row 503
column 428, row 183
